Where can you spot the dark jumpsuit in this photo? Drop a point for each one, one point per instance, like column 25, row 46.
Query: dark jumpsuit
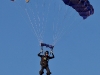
column 44, row 63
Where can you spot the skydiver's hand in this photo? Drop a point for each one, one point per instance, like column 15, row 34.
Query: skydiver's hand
column 41, row 51
column 51, row 52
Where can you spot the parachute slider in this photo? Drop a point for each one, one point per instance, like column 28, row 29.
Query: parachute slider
column 47, row 45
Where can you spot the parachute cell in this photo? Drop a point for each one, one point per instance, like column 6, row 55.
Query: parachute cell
column 83, row 7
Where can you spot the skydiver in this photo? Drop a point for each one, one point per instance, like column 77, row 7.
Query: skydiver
column 44, row 61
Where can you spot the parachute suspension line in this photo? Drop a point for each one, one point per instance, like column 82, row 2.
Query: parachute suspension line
column 37, row 24
column 59, row 9
column 38, row 17
column 74, row 20
column 41, row 36
column 51, row 10
column 32, row 25
column 45, row 16
column 54, row 19
column 28, row 18
column 56, row 22
column 21, row 8
column 59, row 34
column 57, row 25
column 41, row 26
column 48, row 9
column 25, row 9
column 34, row 19
column 62, row 31
column 43, row 19
column 79, row 23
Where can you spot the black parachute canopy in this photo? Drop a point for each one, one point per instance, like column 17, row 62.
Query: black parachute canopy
column 83, row 7
column 12, row 0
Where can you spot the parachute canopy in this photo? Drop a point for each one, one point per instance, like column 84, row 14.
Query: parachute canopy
column 12, row 0
column 83, row 7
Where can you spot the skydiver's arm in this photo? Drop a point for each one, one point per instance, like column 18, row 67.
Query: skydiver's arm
column 51, row 57
column 39, row 54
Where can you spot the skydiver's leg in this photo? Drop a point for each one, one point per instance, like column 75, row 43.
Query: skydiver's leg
column 48, row 70
column 41, row 71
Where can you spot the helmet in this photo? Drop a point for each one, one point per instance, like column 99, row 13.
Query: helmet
column 46, row 52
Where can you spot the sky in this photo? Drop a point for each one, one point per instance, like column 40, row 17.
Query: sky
column 23, row 26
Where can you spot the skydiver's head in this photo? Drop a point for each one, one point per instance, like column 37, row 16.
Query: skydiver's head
column 46, row 53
